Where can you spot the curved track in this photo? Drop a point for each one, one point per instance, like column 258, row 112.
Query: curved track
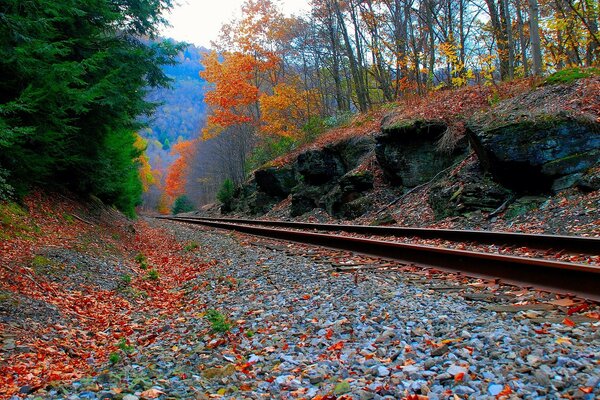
column 561, row 277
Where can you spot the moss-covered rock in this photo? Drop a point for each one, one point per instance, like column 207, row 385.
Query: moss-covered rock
column 529, row 155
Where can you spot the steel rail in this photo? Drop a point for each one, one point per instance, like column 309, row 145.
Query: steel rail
column 556, row 276
column 587, row 245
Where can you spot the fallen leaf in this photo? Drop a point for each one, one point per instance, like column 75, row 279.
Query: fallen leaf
column 151, row 394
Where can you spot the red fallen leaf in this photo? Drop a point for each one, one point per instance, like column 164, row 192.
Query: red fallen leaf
column 579, row 308
column 587, row 389
column 568, row 322
column 459, row 377
column 505, row 392
column 329, row 334
column 306, row 297
column 542, row 331
column 338, row 346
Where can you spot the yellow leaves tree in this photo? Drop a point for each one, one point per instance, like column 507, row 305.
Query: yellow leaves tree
column 148, row 176
column 286, row 110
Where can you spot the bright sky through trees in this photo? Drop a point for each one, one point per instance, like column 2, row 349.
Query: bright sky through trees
column 199, row 21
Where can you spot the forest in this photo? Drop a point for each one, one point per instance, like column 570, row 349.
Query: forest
column 276, row 82
column 75, row 75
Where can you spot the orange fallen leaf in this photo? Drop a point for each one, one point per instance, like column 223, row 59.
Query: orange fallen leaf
column 151, row 394
column 459, row 377
column 338, row 346
column 568, row 322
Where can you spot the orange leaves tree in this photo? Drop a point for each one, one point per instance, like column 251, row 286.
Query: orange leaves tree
column 178, row 171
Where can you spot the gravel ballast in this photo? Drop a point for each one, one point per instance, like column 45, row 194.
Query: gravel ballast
column 286, row 325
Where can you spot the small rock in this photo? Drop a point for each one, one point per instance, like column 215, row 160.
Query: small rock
column 382, row 371
column 341, row 388
column 440, row 351
column 494, row 389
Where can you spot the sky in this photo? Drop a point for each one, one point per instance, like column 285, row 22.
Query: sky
column 199, row 21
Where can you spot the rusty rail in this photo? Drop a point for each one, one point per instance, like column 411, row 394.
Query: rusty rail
column 556, row 276
column 587, row 245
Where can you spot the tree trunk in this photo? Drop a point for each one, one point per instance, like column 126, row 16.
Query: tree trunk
column 534, row 33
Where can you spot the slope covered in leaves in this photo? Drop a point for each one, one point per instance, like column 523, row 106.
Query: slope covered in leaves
column 75, row 282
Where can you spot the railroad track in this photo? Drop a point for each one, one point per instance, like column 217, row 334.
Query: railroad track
column 562, row 277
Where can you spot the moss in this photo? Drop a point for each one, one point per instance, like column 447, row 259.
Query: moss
column 570, row 75
column 15, row 222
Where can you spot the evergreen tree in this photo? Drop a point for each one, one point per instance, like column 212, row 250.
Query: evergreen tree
column 74, row 78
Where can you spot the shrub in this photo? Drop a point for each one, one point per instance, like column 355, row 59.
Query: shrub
column 182, row 204
column 218, row 322
column 114, row 358
column 126, row 279
column 124, row 346
column 225, row 194
column 152, row 275
column 191, row 246
column 269, row 149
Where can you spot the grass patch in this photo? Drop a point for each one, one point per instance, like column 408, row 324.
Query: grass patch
column 15, row 222
column 114, row 358
column 126, row 279
column 570, row 75
column 218, row 322
column 128, row 349
column 141, row 260
column 191, row 246
column 152, row 275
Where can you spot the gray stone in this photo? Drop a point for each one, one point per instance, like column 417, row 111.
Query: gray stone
column 408, row 151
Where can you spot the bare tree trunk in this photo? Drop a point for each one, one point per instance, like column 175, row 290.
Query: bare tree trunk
column 354, row 69
column 522, row 40
column 534, row 33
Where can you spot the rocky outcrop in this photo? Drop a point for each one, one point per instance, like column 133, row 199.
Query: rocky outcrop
column 324, row 181
column 276, row 182
column 470, row 190
column 341, row 201
column 535, row 153
column 408, row 151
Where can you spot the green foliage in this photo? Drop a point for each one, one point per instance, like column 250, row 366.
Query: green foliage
column 191, row 246
column 6, row 190
column 152, row 275
column 141, row 260
column 125, row 347
column 74, row 79
column 569, row 75
column 269, row 149
column 225, row 194
column 126, row 279
column 182, row 204
column 249, row 333
column 218, row 322
column 114, row 358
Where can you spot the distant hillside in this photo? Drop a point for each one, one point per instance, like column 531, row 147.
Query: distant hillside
column 183, row 110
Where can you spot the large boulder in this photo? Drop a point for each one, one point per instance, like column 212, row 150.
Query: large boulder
column 470, row 190
column 248, row 199
column 408, row 150
column 353, row 151
column 306, row 198
column 536, row 142
column 276, row 182
column 319, row 166
column 350, row 188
